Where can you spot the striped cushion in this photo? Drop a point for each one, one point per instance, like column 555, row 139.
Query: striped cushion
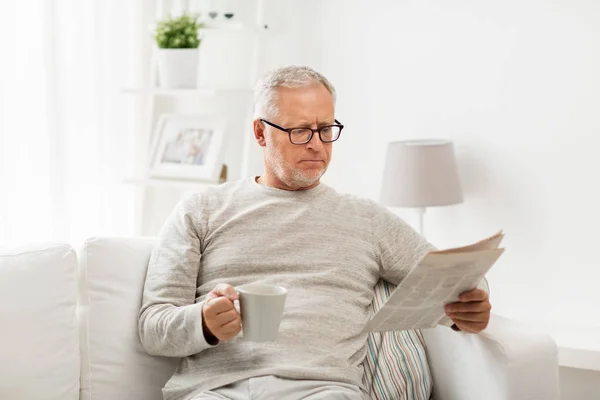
column 395, row 366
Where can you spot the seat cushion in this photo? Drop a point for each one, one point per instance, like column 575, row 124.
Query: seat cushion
column 115, row 366
column 39, row 344
column 396, row 365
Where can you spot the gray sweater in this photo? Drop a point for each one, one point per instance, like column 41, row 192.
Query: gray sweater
column 327, row 249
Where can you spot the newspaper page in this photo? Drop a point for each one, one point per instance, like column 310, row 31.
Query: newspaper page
column 418, row 302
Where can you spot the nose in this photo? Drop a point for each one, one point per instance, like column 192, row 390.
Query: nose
column 315, row 142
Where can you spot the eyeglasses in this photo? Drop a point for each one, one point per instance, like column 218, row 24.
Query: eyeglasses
column 327, row 133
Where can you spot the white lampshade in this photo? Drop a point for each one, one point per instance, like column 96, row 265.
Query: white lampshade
column 420, row 173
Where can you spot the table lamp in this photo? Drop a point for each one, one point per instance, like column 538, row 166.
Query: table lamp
column 420, row 174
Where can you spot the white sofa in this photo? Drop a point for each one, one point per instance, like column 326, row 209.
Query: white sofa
column 68, row 330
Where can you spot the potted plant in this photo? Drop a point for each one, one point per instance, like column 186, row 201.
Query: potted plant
column 177, row 41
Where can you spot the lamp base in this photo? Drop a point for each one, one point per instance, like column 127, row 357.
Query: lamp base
column 421, row 213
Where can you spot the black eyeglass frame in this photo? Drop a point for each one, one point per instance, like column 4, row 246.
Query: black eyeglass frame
column 337, row 124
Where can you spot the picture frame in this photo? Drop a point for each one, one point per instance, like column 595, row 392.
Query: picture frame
column 187, row 146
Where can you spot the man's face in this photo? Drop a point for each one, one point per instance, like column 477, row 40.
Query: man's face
column 298, row 166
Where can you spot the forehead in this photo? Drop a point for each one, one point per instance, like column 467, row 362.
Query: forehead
column 308, row 102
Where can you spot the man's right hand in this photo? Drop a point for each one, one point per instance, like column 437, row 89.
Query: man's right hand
column 220, row 319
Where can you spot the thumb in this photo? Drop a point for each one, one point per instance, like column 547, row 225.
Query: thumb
column 222, row 290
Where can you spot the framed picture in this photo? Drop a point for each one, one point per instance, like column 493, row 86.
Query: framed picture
column 187, row 147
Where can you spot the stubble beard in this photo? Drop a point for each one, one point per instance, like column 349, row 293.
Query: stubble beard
column 291, row 176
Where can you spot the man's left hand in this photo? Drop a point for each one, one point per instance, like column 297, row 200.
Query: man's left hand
column 472, row 312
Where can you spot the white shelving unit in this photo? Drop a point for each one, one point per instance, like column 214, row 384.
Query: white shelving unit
column 168, row 183
column 200, row 91
column 156, row 197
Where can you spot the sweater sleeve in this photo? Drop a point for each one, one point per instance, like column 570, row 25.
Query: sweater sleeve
column 170, row 320
column 398, row 246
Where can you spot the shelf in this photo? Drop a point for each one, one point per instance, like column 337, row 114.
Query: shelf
column 226, row 26
column 212, row 27
column 206, row 91
column 173, row 183
column 578, row 347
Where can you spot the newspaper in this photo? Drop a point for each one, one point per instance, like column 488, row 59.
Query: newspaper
column 418, row 302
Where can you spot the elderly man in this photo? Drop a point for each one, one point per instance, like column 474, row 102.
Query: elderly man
column 286, row 228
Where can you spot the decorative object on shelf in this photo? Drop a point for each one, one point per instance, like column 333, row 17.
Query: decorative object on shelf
column 223, row 175
column 178, row 42
column 188, row 147
column 420, row 174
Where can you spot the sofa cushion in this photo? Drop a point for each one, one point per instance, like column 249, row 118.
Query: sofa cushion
column 39, row 344
column 115, row 366
column 396, row 365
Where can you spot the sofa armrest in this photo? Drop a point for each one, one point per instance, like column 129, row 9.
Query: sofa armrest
column 507, row 361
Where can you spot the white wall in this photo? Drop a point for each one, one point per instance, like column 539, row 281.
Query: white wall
column 515, row 85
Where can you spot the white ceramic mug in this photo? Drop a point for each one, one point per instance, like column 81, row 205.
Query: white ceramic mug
column 261, row 306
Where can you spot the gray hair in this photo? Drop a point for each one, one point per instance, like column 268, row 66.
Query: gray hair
column 291, row 76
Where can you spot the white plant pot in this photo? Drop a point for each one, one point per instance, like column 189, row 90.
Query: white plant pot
column 177, row 68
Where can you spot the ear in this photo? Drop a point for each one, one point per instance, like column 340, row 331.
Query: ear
column 259, row 133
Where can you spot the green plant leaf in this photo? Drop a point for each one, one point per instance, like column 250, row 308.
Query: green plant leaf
column 178, row 32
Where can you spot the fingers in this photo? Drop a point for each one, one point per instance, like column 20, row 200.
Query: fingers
column 222, row 290
column 219, row 305
column 219, row 314
column 471, row 327
column 473, row 295
column 226, row 317
column 469, row 316
column 226, row 290
column 478, row 306
column 232, row 327
column 224, row 326
column 472, row 313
